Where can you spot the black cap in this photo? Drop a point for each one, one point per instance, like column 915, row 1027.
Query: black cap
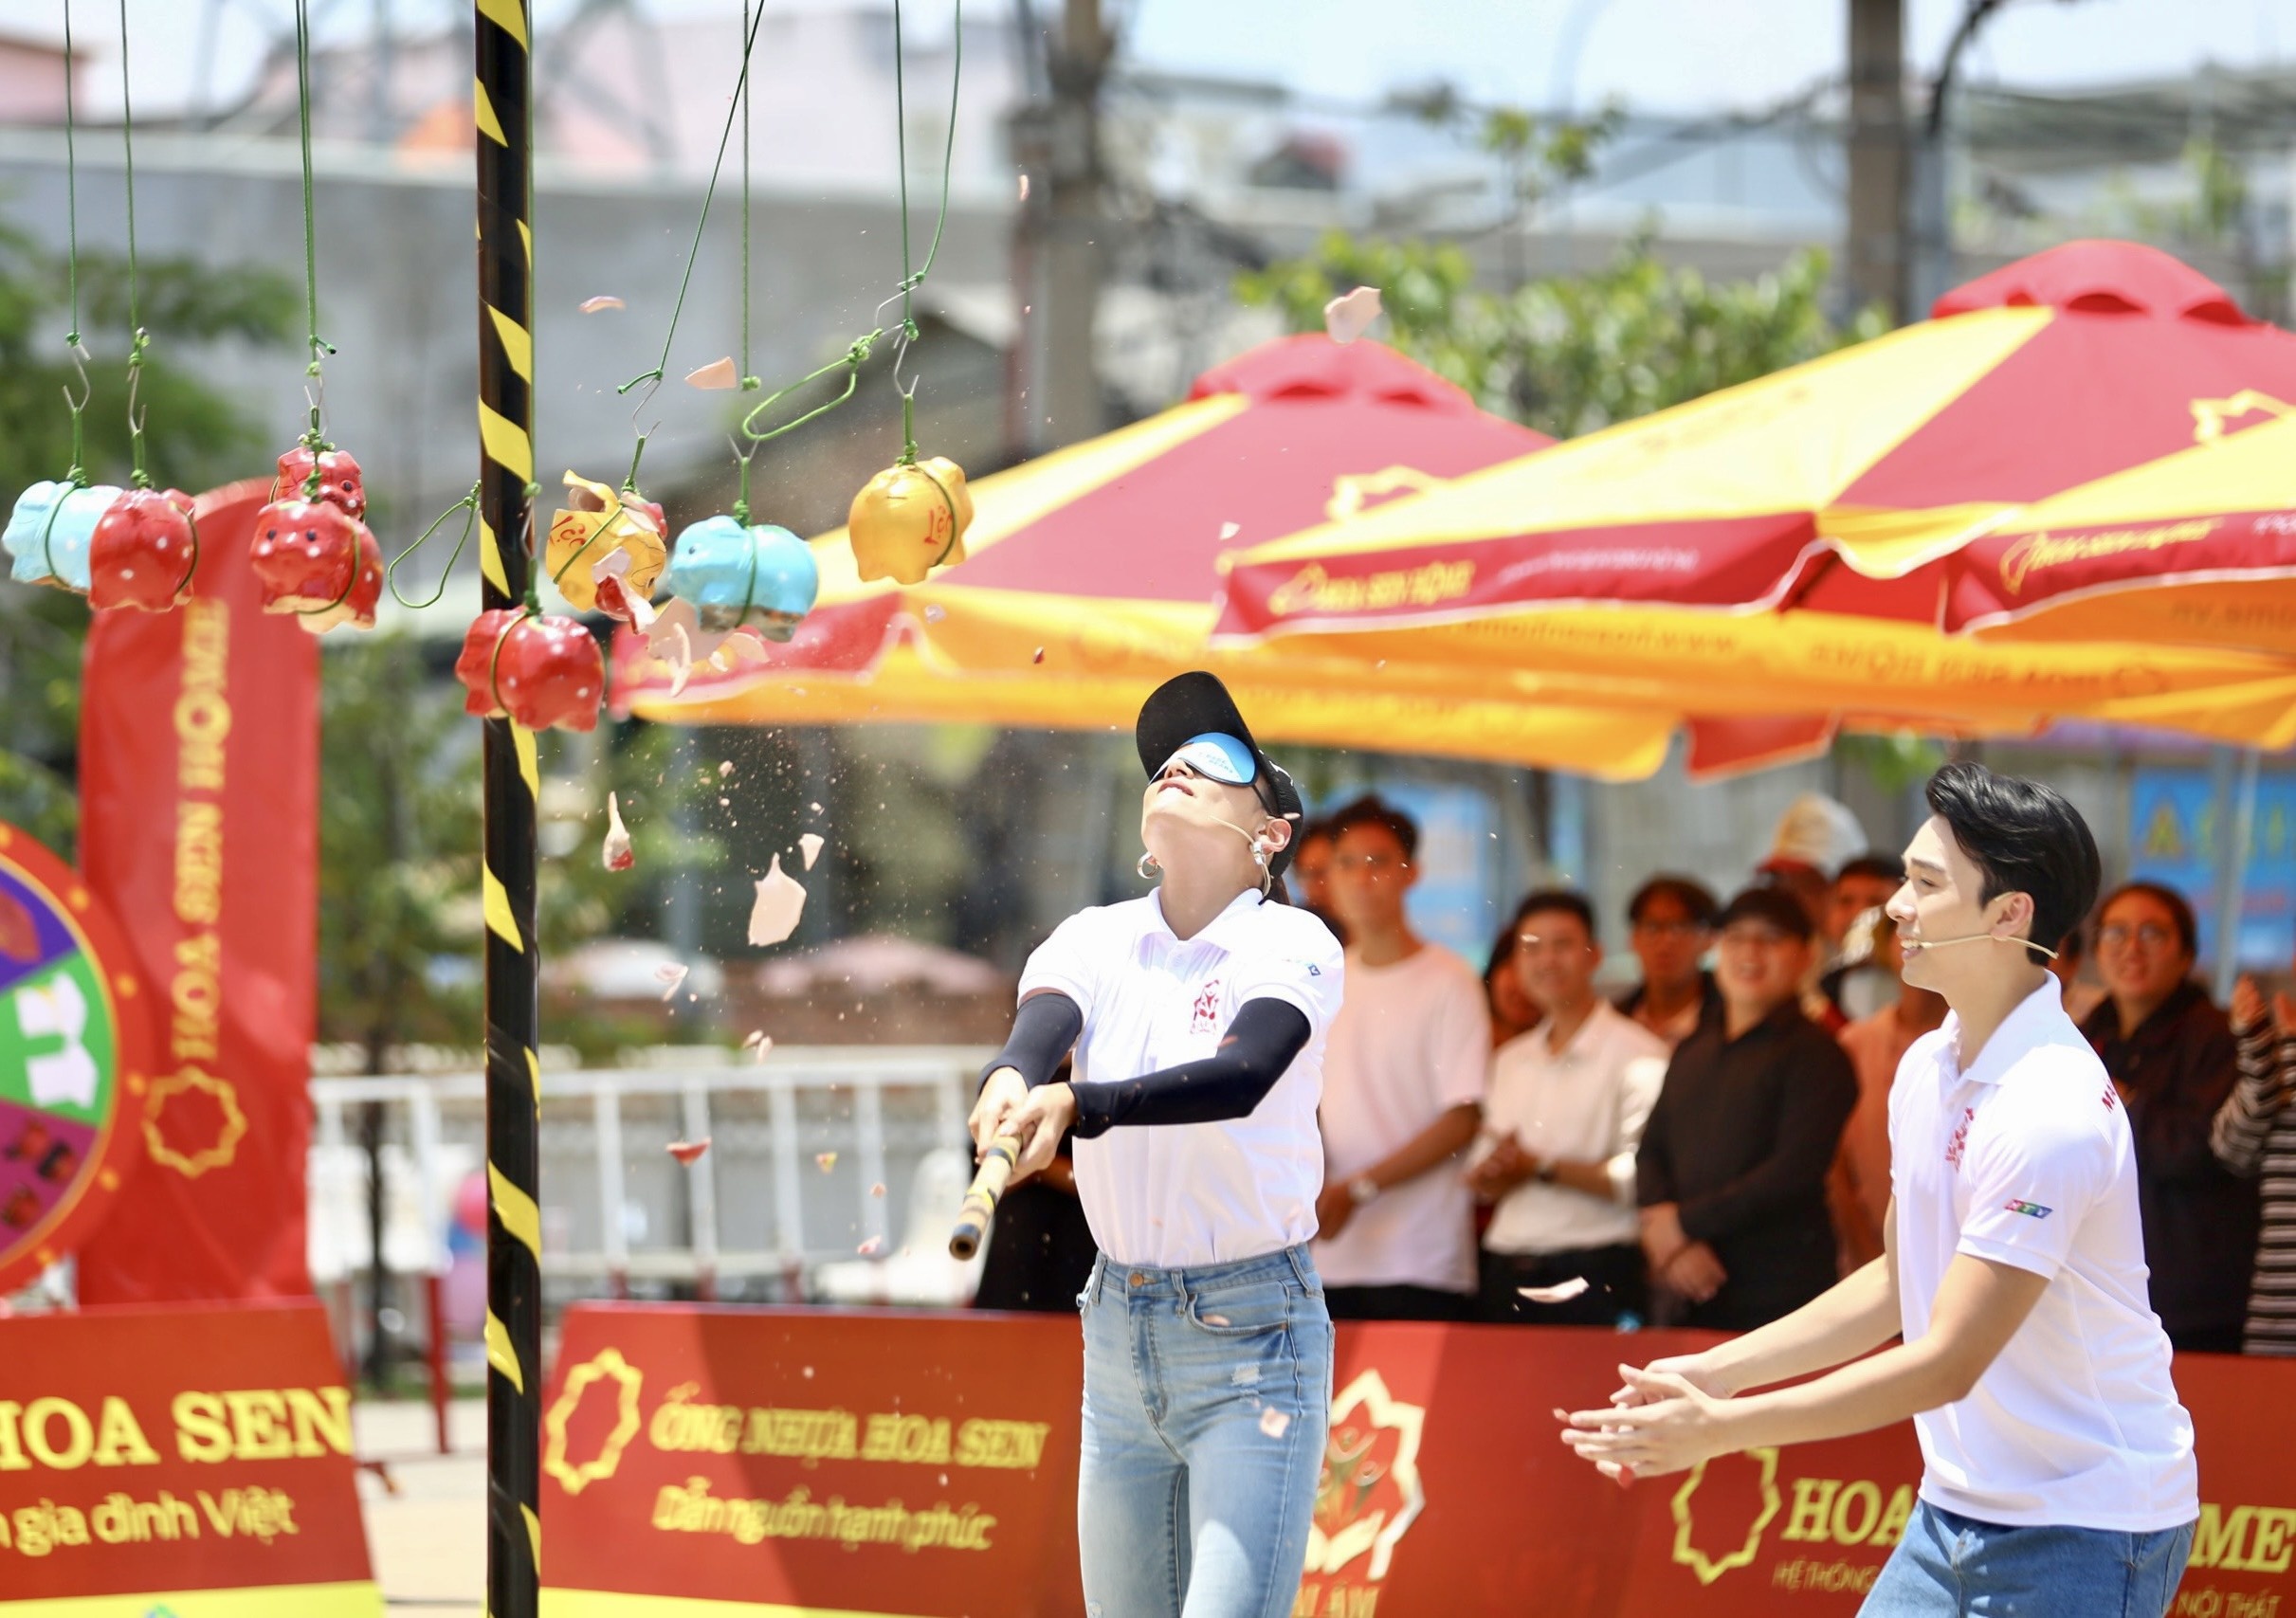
column 1196, row 703
column 1772, row 905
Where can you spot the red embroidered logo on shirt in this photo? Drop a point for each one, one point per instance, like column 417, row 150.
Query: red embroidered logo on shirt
column 2111, row 1097
column 1207, row 1009
column 1960, row 1137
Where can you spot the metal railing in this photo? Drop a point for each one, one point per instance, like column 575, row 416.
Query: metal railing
column 811, row 1159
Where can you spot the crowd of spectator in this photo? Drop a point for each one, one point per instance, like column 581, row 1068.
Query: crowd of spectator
column 1711, row 1148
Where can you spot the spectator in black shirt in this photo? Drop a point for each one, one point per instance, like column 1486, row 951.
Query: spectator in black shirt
column 2170, row 1052
column 1672, row 923
column 1732, row 1171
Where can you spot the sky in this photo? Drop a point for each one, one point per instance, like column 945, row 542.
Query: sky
column 1655, row 56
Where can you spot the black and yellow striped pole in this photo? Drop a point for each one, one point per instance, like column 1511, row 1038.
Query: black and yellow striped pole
column 507, row 495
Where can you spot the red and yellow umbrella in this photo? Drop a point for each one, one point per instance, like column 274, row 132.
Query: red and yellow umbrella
column 1092, row 575
column 1799, row 547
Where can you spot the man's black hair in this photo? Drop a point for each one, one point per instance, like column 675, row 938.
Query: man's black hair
column 1697, row 899
column 2178, row 907
column 1309, row 830
column 2023, row 837
column 1569, row 900
column 1873, row 863
column 1372, row 809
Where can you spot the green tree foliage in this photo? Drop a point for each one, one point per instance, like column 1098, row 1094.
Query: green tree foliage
column 194, row 437
column 1567, row 354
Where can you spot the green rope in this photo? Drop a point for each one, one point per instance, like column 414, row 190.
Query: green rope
column 468, row 505
column 749, row 381
column 661, row 368
column 139, row 339
column 315, row 436
column 77, row 476
column 912, row 277
column 849, row 362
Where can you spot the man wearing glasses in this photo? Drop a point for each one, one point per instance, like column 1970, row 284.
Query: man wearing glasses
column 1403, row 1083
column 1732, row 1170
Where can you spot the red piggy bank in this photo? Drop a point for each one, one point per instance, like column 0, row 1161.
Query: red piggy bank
column 537, row 669
column 339, row 482
column 316, row 560
column 142, row 552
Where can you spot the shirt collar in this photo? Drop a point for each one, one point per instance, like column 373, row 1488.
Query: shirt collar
column 1587, row 1031
column 1224, row 929
column 2023, row 1029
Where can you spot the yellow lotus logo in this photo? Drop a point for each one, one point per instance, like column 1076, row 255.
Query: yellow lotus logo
column 1688, row 1554
column 1369, row 1495
column 1352, row 492
column 207, row 1132
column 608, row 1366
column 2210, row 415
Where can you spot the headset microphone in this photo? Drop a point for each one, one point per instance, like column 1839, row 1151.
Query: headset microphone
column 1919, row 944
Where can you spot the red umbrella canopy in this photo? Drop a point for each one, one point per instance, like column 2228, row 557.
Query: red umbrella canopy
column 1326, row 431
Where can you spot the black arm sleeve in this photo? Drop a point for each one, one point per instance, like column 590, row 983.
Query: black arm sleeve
column 1044, row 1030
column 1261, row 1043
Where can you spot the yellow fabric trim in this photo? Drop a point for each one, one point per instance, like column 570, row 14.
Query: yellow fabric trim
column 505, row 443
column 482, row 107
column 2249, row 470
column 606, row 1604
column 528, row 771
column 490, row 559
column 1006, row 503
column 517, row 343
column 352, row 1600
column 516, row 1210
column 508, row 15
column 533, row 1533
column 500, row 1354
column 1790, row 440
column 494, row 900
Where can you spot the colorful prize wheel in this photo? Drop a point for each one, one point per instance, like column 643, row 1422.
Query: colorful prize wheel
column 75, row 1058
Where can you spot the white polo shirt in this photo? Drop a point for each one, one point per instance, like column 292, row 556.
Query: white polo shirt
column 1172, row 1197
column 2026, row 1159
column 1585, row 1103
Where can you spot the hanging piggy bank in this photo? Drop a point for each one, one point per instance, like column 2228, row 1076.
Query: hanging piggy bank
column 539, row 670
column 760, row 576
column 50, row 531
column 318, row 561
column 594, row 522
column 341, row 482
column 144, row 550
column 909, row 519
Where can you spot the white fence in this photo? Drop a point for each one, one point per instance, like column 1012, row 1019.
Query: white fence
column 828, row 1169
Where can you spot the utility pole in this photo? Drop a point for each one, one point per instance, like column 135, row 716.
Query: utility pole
column 1059, row 257
column 1879, row 171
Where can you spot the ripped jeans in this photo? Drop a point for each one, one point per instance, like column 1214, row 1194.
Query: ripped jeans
column 1207, row 1400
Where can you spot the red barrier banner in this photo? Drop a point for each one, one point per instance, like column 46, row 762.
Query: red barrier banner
column 707, row 1462
column 198, row 792
column 193, row 1462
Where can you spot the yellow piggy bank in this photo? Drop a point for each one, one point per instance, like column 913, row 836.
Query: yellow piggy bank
column 595, row 521
column 910, row 520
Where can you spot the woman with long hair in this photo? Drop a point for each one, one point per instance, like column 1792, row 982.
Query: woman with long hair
column 1197, row 1014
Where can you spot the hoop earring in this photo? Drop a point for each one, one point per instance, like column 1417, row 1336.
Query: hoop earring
column 1148, row 868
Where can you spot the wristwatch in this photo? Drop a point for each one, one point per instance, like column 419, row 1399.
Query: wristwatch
column 1544, row 1173
column 1362, row 1189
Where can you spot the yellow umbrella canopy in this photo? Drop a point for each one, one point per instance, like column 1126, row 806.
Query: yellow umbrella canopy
column 1803, row 546
column 1092, row 574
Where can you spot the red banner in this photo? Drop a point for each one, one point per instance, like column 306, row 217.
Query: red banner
column 190, row 1461
column 924, row 1466
column 198, row 792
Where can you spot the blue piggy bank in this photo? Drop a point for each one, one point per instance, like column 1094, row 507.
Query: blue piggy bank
column 762, row 575
column 49, row 531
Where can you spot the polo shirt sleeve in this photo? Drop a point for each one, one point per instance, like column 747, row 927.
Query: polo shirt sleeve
column 1071, row 961
column 2030, row 1188
column 1303, row 969
column 1458, row 1042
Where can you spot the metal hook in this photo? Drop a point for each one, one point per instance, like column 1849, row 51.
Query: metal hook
column 653, row 386
column 87, row 388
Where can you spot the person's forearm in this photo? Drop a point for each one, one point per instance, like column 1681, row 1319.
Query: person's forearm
column 1887, row 1387
column 1588, row 1179
column 1437, row 1143
column 1851, row 1318
column 1262, row 1041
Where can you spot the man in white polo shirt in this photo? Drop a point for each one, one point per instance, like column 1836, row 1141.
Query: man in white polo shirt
column 1565, row 1112
column 2059, row 1476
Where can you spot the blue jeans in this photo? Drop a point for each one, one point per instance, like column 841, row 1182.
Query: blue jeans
column 1953, row 1565
column 1207, row 1399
